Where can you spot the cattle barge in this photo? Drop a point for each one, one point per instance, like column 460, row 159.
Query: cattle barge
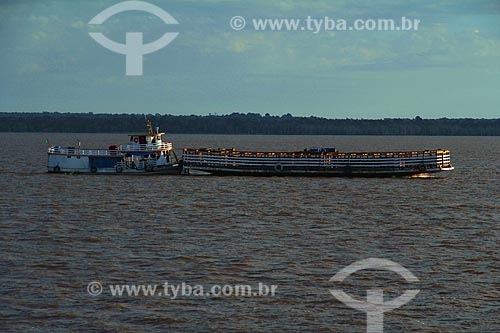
column 315, row 162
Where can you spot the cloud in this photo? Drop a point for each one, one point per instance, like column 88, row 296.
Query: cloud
column 48, row 43
column 79, row 25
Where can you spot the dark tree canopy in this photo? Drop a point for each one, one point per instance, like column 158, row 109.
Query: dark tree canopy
column 239, row 123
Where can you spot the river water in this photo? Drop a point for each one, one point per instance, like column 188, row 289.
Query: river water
column 59, row 232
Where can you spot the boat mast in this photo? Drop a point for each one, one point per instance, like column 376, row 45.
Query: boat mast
column 150, row 127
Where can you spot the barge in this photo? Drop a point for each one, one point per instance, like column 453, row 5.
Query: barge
column 315, row 162
column 145, row 153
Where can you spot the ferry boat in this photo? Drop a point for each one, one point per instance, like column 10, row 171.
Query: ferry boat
column 144, row 154
column 316, row 162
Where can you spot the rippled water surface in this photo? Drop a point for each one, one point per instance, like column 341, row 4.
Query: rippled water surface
column 60, row 232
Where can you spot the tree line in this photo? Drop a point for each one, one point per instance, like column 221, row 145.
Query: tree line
column 240, row 123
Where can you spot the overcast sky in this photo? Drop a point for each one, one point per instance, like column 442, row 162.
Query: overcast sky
column 450, row 67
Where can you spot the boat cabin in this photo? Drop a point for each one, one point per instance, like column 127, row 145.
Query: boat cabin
column 150, row 138
column 146, row 139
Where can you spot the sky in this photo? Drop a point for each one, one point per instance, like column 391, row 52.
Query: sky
column 449, row 67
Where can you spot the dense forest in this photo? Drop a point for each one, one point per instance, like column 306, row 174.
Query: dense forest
column 239, row 123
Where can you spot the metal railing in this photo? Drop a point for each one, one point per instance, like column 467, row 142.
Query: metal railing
column 141, row 147
column 121, row 150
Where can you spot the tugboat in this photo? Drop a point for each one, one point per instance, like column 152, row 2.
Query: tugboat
column 321, row 162
column 144, row 154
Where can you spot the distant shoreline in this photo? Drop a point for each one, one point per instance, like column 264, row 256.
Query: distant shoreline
column 246, row 124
